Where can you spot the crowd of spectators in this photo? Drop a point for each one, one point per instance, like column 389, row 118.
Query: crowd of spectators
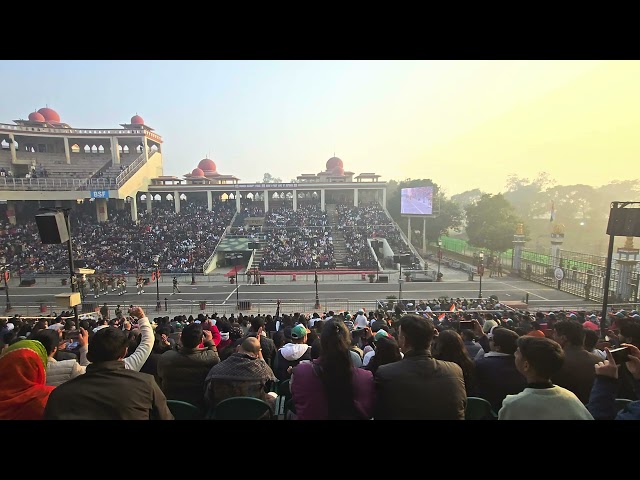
column 182, row 240
column 369, row 221
column 299, row 240
column 527, row 366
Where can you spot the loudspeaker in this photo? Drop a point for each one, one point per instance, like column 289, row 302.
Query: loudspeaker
column 383, row 278
column 52, row 227
column 27, row 282
column 624, row 222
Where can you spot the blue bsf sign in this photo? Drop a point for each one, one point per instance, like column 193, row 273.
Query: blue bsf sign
column 100, row 194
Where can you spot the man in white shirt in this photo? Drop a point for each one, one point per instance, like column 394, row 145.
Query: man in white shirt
column 361, row 320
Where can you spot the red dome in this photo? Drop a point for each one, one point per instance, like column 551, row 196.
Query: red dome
column 49, row 115
column 137, row 120
column 36, row 117
column 207, row 166
column 338, row 171
column 197, row 173
column 334, row 162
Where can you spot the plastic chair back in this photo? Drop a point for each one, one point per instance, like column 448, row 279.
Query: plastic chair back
column 184, row 410
column 242, row 408
column 479, row 409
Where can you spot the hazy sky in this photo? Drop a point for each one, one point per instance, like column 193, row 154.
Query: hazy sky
column 464, row 124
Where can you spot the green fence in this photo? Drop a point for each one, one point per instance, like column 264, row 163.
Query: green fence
column 458, row 245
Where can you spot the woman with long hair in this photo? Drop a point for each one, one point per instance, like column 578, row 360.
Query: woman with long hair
column 387, row 351
column 330, row 387
column 449, row 346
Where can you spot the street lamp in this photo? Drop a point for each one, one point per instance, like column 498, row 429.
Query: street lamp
column 193, row 265
column 156, row 265
column 481, row 271
column 317, row 304
column 5, row 276
column 439, row 259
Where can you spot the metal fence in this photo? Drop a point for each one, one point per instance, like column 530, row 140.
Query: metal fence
column 583, row 277
column 180, row 307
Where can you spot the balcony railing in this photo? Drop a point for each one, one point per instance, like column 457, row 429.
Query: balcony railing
column 36, row 184
column 132, row 168
column 50, row 183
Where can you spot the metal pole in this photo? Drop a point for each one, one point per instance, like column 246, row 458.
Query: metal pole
column 317, row 304
column 439, row 258
column 158, row 304
column 607, row 279
column 400, row 284
column 237, row 286
column 71, row 266
column 481, row 272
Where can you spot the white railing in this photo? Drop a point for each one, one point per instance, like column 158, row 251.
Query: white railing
column 11, row 183
column 405, row 239
column 206, row 265
column 81, row 131
column 133, row 167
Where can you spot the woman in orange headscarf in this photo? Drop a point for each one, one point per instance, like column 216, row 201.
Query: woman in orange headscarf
column 23, row 393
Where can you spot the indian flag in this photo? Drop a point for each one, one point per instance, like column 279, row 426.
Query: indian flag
column 451, row 309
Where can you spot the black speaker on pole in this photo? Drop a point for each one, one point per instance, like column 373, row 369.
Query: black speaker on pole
column 52, row 227
column 624, row 222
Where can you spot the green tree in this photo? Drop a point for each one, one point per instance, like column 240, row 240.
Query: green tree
column 465, row 198
column 491, row 223
column 450, row 214
column 528, row 197
column 268, row 178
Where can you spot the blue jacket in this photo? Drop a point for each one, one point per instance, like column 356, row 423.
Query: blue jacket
column 497, row 377
column 602, row 400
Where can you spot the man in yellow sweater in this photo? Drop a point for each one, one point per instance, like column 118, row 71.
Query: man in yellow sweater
column 538, row 358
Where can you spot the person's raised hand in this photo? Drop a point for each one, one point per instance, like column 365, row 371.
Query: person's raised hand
column 137, row 312
column 608, row 367
column 633, row 363
column 207, row 335
column 477, row 328
column 83, row 338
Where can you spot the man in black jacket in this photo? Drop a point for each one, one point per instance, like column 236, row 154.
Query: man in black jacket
column 108, row 390
column 419, row 387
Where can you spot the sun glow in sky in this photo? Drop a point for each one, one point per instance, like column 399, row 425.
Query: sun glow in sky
column 464, row 124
